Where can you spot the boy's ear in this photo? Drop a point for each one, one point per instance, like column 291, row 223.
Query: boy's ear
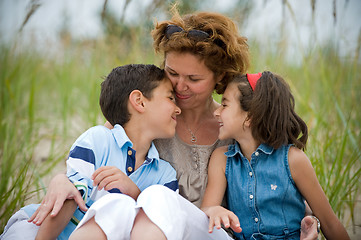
column 136, row 100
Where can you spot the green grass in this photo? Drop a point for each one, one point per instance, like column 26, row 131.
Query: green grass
column 53, row 99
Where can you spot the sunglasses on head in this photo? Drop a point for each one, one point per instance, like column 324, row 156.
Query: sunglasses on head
column 194, row 34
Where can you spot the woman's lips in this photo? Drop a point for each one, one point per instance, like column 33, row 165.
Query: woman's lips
column 180, row 96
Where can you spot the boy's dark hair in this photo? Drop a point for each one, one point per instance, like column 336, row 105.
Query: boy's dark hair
column 118, row 85
column 270, row 108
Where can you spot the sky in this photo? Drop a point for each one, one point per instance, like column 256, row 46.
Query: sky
column 264, row 23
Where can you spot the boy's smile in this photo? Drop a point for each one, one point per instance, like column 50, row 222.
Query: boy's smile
column 163, row 112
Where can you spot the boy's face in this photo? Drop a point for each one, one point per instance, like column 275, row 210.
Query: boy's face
column 230, row 116
column 163, row 110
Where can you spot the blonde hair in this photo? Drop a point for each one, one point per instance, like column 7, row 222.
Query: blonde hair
column 224, row 52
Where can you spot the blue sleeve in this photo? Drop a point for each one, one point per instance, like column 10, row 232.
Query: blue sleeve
column 84, row 157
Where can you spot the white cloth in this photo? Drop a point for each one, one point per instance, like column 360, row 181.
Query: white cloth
column 18, row 228
column 114, row 213
column 178, row 218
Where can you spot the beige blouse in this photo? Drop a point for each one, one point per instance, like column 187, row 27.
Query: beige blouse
column 191, row 164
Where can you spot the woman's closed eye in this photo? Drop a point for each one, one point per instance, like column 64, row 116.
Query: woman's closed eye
column 193, row 79
column 173, row 74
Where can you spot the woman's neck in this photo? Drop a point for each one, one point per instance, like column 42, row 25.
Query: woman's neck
column 199, row 114
column 198, row 126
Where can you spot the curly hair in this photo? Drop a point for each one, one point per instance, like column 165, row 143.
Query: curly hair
column 271, row 109
column 224, row 52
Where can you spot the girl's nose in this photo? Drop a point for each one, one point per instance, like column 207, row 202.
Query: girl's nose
column 216, row 112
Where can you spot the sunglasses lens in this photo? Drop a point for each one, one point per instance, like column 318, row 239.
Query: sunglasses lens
column 172, row 29
column 198, row 35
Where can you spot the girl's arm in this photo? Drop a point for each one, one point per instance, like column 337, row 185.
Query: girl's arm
column 306, row 181
column 214, row 193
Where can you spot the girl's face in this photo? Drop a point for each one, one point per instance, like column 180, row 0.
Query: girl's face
column 231, row 118
column 192, row 81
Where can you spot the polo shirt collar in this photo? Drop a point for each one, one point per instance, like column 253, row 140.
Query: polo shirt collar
column 123, row 140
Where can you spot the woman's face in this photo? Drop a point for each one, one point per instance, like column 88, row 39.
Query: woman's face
column 192, row 81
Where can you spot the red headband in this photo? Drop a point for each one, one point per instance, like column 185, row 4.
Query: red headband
column 253, row 78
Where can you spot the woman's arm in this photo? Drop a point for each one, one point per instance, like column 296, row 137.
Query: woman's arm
column 306, row 181
column 60, row 189
column 214, row 194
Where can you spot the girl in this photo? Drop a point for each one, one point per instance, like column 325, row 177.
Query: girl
column 265, row 173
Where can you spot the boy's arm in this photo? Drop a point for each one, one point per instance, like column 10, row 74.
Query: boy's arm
column 110, row 177
column 53, row 226
column 306, row 181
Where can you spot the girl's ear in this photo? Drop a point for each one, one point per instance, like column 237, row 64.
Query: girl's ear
column 136, row 100
column 247, row 122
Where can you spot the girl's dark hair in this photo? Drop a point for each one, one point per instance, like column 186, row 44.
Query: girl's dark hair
column 224, row 52
column 271, row 112
column 118, row 85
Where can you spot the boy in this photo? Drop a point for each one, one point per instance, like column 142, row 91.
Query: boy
column 138, row 101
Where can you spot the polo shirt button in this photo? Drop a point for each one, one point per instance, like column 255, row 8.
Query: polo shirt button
column 130, row 169
column 130, row 152
column 256, row 153
column 250, row 173
column 256, row 219
column 251, row 196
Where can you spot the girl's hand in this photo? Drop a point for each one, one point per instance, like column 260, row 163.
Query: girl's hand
column 219, row 215
column 109, row 177
column 59, row 190
column 308, row 229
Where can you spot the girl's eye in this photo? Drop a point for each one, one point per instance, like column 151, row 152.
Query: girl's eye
column 224, row 105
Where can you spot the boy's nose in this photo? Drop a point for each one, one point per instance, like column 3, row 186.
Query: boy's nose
column 177, row 110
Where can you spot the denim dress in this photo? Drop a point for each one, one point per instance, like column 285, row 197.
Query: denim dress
column 262, row 193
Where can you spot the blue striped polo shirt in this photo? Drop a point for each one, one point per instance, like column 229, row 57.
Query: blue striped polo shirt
column 100, row 146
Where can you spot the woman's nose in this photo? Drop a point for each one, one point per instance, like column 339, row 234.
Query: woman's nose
column 181, row 84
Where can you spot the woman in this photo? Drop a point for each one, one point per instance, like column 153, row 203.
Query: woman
column 202, row 52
